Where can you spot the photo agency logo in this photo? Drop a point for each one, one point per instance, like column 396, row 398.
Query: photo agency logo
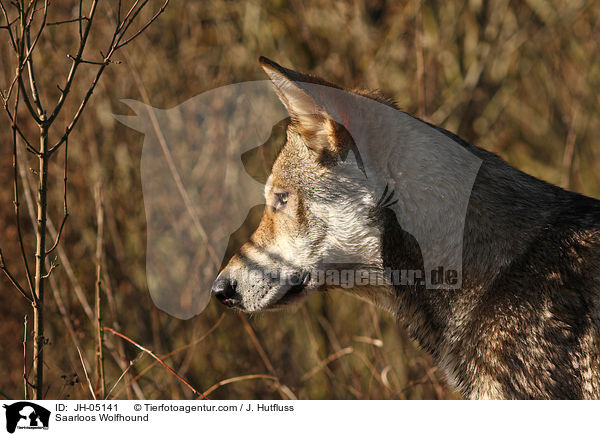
column 25, row 415
column 207, row 164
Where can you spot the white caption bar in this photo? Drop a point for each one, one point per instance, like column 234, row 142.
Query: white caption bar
column 90, row 418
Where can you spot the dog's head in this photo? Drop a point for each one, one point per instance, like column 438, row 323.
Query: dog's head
column 318, row 206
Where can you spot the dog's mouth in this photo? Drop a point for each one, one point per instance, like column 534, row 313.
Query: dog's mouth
column 295, row 292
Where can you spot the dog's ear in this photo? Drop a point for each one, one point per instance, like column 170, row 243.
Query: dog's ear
column 308, row 114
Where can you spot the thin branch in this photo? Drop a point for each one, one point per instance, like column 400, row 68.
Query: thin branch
column 28, row 145
column 323, row 364
column 419, row 54
column 372, row 369
column 131, row 363
column 154, row 356
column 30, row 107
column 9, row 24
column 261, row 352
column 177, row 350
column 16, row 201
column 77, row 288
column 82, row 105
column 123, row 25
column 181, row 188
column 25, row 379
column 114, row 45
column 86, row 374
column 83, row 61
column 569, row 152
column 24, row 59
column 65, row 315
column 139, row 32
column 62, row 224
column 76, row 285
column 65, row 204
column 73, row 70
column 72, row 20
column 99, row 255
column 12, row 279
column 53, row 265
column 237, row 379
column 31, row 7
column 29, row 58
column 81, row 15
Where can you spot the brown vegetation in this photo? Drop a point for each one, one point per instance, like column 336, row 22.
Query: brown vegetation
column 517, row 78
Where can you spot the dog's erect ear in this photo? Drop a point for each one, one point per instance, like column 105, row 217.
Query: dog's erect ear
column 309, row 115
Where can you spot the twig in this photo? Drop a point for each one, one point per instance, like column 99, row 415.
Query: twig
column 139, row 32
column 237, row 379
column 73, row 70
column 65, row 315
column 25, row 379
column 28, row 145
column 62, row 224
column 16, row 202
column 117, row 357
column 80, row 15
column 65, row 204
column 77, row 288
column 56, row 294
column 84, row 61
column 131, row 363
column 419, row 53
column 181, row 188
column 72, row 20
column 99, row 254
column 12, row 279
column 367, row 340
column 40, row 265
column 29, row 59
column 261, row 352
column 24, row 45
column 323, row 364
column 114, row 45
column 9, row 23
column 154, row 356
column 50, row 268
column 372, row 369
column 177, row 350
column 86, row 374
column 569, row 153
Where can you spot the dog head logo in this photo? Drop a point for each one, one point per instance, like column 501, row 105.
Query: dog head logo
column 26, row 415
column 268, row 189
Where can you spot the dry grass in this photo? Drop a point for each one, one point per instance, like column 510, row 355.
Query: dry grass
column 517, row 78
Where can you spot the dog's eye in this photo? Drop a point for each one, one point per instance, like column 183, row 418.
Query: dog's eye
column 281, row 199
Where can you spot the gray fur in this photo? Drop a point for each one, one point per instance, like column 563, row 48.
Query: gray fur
column 526, row 321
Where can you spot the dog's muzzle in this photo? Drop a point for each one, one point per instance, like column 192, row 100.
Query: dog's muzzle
column 224, row 290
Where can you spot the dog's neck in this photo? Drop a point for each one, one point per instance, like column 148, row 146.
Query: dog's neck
column 454, row 201
column 506, row 211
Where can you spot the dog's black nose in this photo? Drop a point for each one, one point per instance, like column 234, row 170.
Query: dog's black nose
column 224, row 290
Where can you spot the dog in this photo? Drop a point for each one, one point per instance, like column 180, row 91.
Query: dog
column 517, row 316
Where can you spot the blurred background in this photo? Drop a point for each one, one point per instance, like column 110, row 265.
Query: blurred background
column 518, row 78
